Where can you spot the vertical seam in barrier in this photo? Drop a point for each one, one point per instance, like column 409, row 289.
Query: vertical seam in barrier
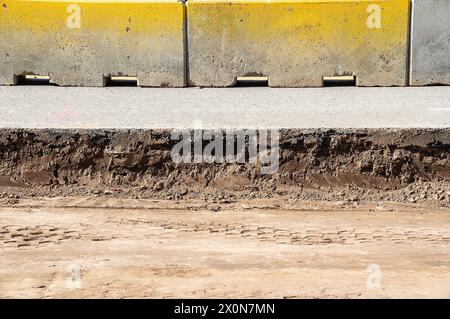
column 410, row 44
column 186, row 43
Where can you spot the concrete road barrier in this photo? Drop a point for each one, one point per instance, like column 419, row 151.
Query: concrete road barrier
column 296, row 43
column 84, row 42
column 430, row 37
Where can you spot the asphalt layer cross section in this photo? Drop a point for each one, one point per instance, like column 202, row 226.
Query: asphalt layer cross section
column 250, row 107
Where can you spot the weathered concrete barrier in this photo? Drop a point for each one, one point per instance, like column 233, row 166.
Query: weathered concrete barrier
column 430, row 54
column 296, row 43
column 86, row 42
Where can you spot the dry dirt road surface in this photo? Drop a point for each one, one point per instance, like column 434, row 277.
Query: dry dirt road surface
column 87, row 247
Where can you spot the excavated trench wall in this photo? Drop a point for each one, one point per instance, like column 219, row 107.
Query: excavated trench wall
column 382, row 158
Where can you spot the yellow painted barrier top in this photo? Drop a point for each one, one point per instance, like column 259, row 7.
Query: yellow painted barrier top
column 101, row 1
column 51, row 15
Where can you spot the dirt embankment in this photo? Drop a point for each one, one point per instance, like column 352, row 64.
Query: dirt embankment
column 410, row 164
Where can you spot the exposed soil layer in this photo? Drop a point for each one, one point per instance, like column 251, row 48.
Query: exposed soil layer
column 374, row 164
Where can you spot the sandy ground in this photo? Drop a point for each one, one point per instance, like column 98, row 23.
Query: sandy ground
column 87, row 247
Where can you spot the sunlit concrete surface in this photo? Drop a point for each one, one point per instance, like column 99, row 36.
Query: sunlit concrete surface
column 129, row 107
column 430, row 37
